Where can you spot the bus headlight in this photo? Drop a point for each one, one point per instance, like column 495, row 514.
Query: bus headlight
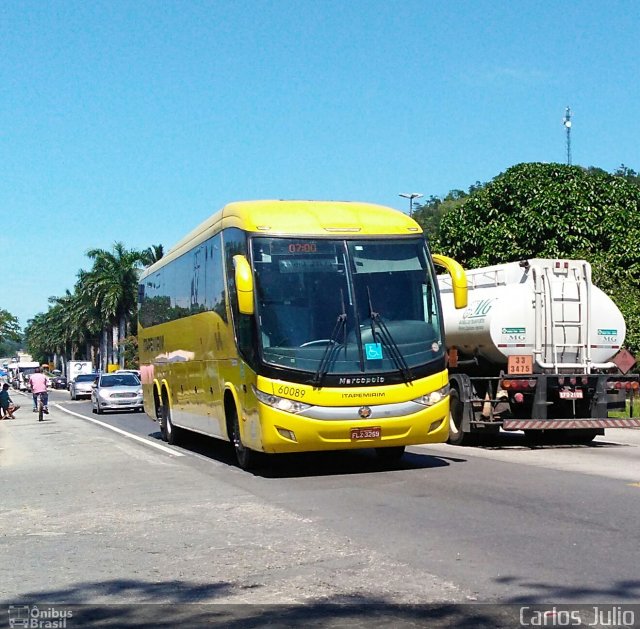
column 429, row 399
column 281, row 403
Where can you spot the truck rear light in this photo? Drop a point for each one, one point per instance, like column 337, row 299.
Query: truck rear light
column 584, row 380
column 519, row 398
column 519, row 384
column 560, row 380
column 573, row 381
column 629, row 385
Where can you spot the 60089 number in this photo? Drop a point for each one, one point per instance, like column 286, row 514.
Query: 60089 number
column 292, row 392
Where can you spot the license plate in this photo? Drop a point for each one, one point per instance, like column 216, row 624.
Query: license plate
column 365, row 433
column 571, row 395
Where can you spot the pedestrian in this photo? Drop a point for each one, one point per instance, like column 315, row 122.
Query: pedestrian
column 38, row 383
column 7, row 407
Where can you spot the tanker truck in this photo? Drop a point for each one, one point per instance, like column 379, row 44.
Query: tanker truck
column 537, row 349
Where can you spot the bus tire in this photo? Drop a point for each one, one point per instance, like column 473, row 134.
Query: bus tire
column 457, row 436
column 390, row 456
column 170, row 433
column 247, row 459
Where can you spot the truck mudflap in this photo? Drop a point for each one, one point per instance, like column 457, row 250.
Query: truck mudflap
column 564, row 424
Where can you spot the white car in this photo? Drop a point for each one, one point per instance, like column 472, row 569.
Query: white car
column 81, row 385
column 116, row 391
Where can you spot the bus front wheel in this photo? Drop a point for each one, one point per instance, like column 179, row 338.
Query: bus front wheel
column 247, row 458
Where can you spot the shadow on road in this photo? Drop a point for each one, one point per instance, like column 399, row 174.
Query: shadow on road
column 171, row 604
column 520, row 441
column 540, row 592
column 176, row 604
column 308, row 464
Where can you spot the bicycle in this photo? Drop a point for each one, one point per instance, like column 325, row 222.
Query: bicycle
column 40, row 406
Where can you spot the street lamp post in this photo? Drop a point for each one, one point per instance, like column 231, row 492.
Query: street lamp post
column 411, row 196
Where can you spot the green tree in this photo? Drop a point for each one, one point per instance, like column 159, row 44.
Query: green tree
column 628, row 173
column 37, row 338
column 554, row 210
column 152, row 254
column 9, row 327
column 430, row 213
column 131, row 357
column 112, row 284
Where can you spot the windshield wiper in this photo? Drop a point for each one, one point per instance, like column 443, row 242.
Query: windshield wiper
column 332, row 346
column 387, row 339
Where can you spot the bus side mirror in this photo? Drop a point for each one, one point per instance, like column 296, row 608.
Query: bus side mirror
column 458, row 279
column 244, row 284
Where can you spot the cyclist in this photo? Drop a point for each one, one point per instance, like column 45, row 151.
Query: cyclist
column 38, row 382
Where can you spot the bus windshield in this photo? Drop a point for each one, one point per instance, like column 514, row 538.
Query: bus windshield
column 346, row 306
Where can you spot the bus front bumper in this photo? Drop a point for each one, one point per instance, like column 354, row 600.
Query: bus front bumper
column 286, row 432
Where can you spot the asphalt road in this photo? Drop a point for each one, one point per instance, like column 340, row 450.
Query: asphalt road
column 91, row 515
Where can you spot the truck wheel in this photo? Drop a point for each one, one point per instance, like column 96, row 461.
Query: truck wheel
column 456, row 436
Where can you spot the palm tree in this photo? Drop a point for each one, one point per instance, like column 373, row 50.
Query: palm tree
column 37, row 336
column 152, row 254
column 80, row 319
column 112, row 285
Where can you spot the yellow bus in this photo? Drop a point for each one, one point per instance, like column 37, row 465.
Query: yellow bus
column 295, row 326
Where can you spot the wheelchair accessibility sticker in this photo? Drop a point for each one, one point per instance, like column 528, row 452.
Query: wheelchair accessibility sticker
column 373, row 351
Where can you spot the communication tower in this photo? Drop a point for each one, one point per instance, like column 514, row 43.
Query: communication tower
column 566, row 121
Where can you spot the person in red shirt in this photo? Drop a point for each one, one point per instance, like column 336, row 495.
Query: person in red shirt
column 38, row 383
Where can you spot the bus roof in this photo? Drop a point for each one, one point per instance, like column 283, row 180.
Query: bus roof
column 299, row 218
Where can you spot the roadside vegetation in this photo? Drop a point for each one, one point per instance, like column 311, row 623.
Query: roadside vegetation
column 549, row 211
column 97, row 320
column 9, row 333
column 531, row 210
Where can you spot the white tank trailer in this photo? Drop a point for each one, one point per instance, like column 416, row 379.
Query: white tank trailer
column 537, row 349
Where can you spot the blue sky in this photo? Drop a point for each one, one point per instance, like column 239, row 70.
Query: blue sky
column 133, row 121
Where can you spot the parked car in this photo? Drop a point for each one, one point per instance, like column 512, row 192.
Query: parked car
column 81, row 385
column 58, row 382
column 116, row 391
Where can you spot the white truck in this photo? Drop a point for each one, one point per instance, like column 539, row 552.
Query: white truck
column 539, row 349
column 76, row 367
column 20, row 372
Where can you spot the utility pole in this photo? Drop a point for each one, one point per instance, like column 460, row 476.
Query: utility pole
column 411, row 196
column 566, row 121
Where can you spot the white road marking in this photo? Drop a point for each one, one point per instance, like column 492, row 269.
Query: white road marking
column 159, row 446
